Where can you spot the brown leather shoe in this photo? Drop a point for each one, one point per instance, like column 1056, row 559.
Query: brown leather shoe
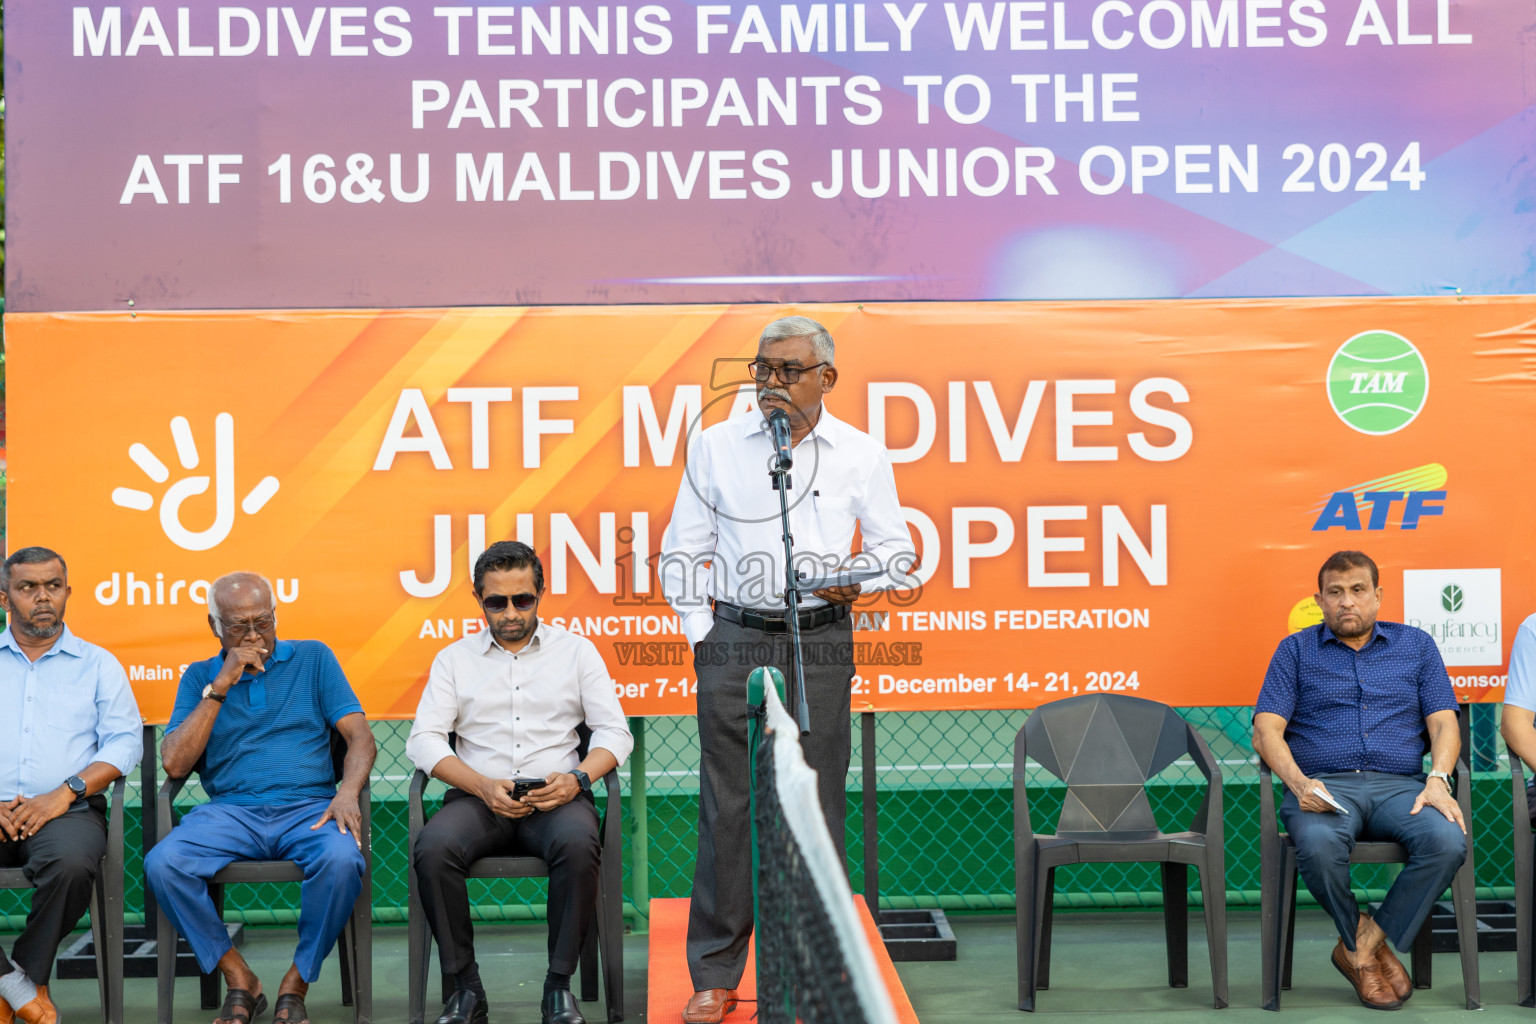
column 709, row 1006
column 1370, row 985
column 39, row 1011
column 1393, row 970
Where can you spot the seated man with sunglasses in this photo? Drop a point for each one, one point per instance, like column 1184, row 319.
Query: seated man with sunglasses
column 514, row 694
column 255, row 722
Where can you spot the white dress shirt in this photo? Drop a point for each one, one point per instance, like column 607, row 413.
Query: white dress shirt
column 516, row 714
column 727, row 513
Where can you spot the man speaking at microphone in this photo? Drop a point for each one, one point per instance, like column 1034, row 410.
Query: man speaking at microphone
column 722, row 570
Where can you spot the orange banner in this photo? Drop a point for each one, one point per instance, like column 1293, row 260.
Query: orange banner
column 1123, row 496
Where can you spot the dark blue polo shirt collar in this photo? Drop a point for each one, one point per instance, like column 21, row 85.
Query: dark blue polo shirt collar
column 281, row 651
column 1324, row 634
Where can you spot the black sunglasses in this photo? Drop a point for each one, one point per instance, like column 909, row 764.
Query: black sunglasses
column 499, row 602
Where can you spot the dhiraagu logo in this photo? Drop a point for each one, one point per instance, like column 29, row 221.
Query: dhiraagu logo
column 191, row 484
column 1377, row 382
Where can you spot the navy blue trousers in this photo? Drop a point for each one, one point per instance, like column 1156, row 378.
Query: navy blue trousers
column 1379, row 806
column 213, row 835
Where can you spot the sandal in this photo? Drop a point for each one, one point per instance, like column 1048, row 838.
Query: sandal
column 290, row 1009
column 240, row 1008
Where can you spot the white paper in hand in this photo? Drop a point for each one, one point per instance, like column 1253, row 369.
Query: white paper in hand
column 837, row 578
column 1325, row 797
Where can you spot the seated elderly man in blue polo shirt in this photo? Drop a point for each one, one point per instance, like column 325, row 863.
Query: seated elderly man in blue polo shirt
column 1348, row 709
column 255, row 721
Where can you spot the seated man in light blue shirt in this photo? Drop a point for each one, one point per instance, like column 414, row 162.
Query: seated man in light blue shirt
column 255, row 722
column 1518, row 723
column 69, row 727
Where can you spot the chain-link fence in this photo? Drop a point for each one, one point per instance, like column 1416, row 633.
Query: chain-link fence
column 945, row 805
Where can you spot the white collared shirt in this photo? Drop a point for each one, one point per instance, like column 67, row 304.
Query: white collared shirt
column 727, row 514
column 516, row 713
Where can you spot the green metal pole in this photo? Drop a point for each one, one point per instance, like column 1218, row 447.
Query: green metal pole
column 757, row 697
column 755, row 701
column 1484, row 753
column 639, row 813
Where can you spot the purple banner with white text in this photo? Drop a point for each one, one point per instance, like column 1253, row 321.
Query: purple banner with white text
column 218, row 156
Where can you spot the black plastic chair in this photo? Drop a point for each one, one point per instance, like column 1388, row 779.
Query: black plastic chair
column 609, row 933
column 355, row 950
column 1105, row 747
column 106, row 910
column 1277, row 918
column 1525, row 857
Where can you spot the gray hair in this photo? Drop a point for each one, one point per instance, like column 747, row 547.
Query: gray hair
column 231, row 584
column 803, row 327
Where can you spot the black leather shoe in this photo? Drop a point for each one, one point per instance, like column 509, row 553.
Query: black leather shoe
column 560, row 1008
column 464, row 1007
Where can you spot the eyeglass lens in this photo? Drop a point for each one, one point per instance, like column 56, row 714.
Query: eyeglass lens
column 499, row 602
column 786, row 374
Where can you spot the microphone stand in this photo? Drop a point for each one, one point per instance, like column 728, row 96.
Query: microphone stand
column 782, row 484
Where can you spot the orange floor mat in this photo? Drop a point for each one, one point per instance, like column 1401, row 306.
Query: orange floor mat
column 670, row 986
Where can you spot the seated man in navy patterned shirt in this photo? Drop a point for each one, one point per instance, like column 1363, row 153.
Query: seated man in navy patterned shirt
column 1348, row 710
column 255, row 722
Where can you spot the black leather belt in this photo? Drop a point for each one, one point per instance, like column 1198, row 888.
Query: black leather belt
column 778, row 622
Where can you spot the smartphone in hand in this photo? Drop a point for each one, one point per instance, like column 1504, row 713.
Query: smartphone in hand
column 522, row 787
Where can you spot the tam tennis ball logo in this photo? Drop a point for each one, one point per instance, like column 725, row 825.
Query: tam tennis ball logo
column 1451, row 598
column 1377, row 382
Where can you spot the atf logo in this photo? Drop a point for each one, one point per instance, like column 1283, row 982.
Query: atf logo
column 223, row 481
column 1377, row 382
column 1396, row 502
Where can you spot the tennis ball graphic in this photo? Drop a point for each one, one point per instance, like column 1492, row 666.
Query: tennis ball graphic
column 1377, row 382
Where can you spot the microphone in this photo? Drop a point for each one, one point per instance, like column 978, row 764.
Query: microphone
column 778, row 427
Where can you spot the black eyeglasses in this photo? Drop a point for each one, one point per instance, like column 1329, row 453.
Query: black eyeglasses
column 787, row 374
column 499, row 602
column 239, row 630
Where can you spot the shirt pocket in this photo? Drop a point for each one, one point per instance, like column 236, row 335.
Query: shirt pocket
column 835, row 517
column 67, row 707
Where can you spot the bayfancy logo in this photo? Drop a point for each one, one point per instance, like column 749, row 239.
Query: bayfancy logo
column 1462, row 609
column 223, row 481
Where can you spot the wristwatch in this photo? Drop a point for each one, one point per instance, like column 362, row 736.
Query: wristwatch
column 210, row 694
column 76, row 786
column 1444, row 777
column 583, row 780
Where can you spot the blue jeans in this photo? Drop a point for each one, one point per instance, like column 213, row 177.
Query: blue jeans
column 211, row 836
column 1379, row 806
